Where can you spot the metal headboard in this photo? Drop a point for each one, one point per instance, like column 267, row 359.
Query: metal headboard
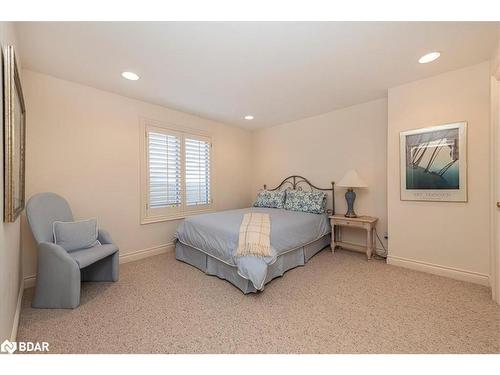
column 294, row 182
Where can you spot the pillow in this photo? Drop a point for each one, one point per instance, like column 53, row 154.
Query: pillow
column 271, row 199
column 75, row 235
column 313, row 202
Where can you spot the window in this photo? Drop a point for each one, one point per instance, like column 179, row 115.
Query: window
column 197, row 171
column 176, row 176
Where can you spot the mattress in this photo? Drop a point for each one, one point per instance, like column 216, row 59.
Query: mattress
column 213, row 239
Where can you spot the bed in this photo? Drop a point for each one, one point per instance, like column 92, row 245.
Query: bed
column 208, row 241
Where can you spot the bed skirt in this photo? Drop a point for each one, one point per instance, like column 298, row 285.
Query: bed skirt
column 216, row 267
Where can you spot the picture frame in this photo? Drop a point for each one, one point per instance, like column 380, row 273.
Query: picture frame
column 14, row 140
column 433, row 163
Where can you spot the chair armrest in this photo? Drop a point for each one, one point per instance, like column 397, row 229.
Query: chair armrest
column 51, row 255
column 58, row 278
column 104, row 237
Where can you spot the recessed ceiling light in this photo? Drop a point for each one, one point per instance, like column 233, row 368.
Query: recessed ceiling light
column 430, row 57
column 131, row 76
column 248, row 117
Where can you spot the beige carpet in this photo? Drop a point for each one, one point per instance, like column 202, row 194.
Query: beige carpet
column 335, row 304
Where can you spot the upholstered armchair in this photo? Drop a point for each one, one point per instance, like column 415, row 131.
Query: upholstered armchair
column 59, row 271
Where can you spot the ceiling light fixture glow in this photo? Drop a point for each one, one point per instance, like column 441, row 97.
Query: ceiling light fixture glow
column 429, row 57
column 130, row 76
column 248, row 117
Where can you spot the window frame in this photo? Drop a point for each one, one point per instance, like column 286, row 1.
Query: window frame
column 155, row 215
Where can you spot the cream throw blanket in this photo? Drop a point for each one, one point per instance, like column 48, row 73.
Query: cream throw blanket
column 255, row 235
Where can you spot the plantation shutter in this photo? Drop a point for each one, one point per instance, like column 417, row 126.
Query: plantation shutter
column 197, row 171
column 164, row 156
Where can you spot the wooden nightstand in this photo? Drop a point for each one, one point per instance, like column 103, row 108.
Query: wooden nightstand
column 363, row 222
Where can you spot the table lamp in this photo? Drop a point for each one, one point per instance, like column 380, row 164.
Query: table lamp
column 351, row 180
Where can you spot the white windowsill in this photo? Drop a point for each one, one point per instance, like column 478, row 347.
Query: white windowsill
column 182, row 215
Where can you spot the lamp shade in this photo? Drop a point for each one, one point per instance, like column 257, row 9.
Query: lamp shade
column 351, row 179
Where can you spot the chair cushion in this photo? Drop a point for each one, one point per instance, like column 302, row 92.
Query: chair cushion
column 76, row 235
column 86, row 257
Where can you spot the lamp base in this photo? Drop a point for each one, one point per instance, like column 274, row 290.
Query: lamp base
column 350, row 197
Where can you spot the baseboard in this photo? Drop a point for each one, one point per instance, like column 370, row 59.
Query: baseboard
column 146, row 253
column 15, row 324
column 436, row 269
column 30, row 281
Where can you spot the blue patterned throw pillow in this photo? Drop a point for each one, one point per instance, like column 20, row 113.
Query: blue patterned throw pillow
column 271, row 199
column 313, row 202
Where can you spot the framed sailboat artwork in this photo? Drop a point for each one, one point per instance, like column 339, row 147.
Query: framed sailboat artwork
column 434, row 163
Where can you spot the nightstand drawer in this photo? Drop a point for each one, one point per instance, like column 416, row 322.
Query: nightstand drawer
column 353, row 223
column 347, row 223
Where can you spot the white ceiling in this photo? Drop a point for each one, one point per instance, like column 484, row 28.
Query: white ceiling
column 276, row 71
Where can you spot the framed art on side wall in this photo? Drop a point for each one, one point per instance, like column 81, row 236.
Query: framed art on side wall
column 434, row 163
column 14, row 141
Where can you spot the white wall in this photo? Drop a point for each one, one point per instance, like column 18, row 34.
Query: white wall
column 10, row 249
column 495, row 154
column 495, row 59
column 323, row 148
column 83, row 143
column 445, row 238
column 495, row 193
